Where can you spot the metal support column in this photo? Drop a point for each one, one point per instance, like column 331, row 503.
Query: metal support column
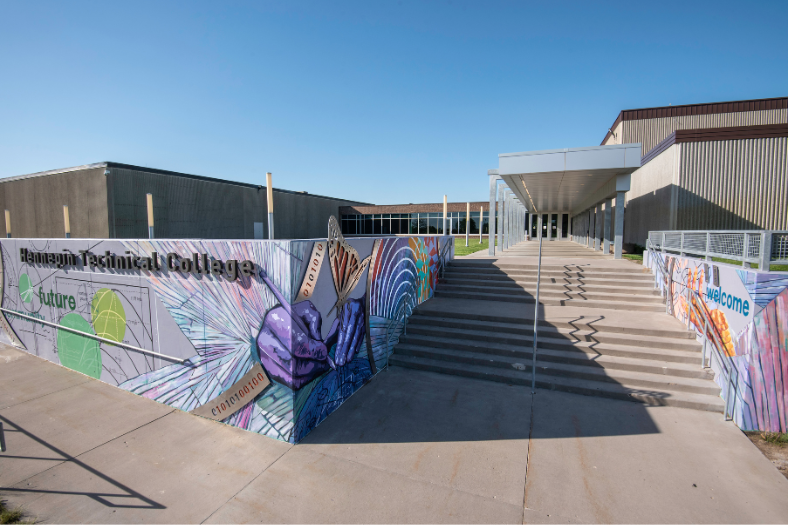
column 608, row 217
column 619, row 242
column 531, row 225
column 491, row 227
column 536, row 309
column 507, row 210
column 598, row 226
column 591, row 226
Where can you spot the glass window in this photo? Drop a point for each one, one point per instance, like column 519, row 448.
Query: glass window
column 414, row 225
column 423, row 225
column 474, row 223
column 386, row 226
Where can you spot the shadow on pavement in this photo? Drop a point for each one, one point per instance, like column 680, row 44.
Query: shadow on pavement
column 406, row 406
column 124, row 494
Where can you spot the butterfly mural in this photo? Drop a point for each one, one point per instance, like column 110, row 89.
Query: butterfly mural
column 346, row 265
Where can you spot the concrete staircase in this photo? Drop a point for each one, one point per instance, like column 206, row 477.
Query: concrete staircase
column 564, row 285
column 603, row 332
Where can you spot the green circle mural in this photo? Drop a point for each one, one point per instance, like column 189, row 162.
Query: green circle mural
column 108, row 315
column 26, row 291
column 78, row 352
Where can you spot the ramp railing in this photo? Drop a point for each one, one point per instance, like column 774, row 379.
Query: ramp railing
column 762, row 247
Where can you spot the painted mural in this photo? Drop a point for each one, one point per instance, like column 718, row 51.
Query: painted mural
column 268, row 336
column 749, row 313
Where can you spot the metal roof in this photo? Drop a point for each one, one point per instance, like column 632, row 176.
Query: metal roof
column 110, row 165
column 566, row 180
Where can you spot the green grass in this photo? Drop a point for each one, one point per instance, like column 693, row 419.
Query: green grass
column 772, row 268
column 777, row 438
column 10, row 515
column 473, row 246
column 636, row 257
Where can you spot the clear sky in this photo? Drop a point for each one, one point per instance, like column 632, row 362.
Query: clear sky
column 378, row 101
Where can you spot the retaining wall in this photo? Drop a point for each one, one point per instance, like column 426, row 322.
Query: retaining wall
column 268, row 336
column 749, row 310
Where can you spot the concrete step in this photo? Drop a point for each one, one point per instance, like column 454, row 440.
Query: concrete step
column 547, row 285
column 680, row 350
column 433, row 309
column 504, row 266
column 525, row 298
column 548, row 291
column 615, row 390
column 589, row 281
column 531, row 274
column 580, row 355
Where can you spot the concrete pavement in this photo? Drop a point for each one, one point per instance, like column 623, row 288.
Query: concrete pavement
column 411, row 446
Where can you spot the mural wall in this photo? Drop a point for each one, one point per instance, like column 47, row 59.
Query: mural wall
column 749, row 312
column 268, row 336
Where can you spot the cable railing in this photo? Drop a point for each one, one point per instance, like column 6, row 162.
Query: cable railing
column 761, row 247
column 713, row 345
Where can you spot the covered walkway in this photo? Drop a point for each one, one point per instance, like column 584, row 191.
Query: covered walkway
column 565, row 194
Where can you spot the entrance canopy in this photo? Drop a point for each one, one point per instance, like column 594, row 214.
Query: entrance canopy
column 568, row 180
column 573, row 186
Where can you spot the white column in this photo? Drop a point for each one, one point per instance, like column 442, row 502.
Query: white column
column 530, row 224
column 499, row 212
column 619, row 225
column 467, row 222
column 608, row 216
column 481, row 221
column 445, row 212
column 491, row 229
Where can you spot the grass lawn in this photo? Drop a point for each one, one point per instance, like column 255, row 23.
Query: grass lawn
column 634, row 257
column 473, row 246
column 773, row 267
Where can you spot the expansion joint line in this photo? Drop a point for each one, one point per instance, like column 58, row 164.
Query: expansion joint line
column 528, row 456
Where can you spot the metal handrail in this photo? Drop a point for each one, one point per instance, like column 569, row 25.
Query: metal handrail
column 764, row 247
column 442, row 257
column 96, row 337
column 695, row 304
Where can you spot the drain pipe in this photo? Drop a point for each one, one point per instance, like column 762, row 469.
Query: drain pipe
column 536, row 307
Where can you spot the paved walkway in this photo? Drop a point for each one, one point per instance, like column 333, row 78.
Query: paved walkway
column 411, row 446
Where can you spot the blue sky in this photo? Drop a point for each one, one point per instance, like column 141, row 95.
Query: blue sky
column 383, row 102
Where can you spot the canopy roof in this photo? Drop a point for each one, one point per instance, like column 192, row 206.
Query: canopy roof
column 568, row 180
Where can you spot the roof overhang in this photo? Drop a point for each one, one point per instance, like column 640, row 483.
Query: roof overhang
column 568, row 180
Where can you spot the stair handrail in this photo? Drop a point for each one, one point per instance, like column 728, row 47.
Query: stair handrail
column 442, row 256
column 696, row 305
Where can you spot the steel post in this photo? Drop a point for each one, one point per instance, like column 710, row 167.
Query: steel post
column 536, row 310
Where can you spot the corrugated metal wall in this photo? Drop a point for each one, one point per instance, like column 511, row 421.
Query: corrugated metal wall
column 650, row 132
column 735, row 184
column 36, row 204
column 195, row 208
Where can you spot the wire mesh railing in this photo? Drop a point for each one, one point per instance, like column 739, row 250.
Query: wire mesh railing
column 761, row 247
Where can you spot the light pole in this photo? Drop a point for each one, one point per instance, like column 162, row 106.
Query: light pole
column 149, row 198
column 270, row 198
column 66, row 222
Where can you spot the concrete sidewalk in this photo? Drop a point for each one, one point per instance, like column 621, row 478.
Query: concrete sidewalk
column 409, row 447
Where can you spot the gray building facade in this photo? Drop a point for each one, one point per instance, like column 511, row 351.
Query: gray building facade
column 107, row 200
column 706, row 167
